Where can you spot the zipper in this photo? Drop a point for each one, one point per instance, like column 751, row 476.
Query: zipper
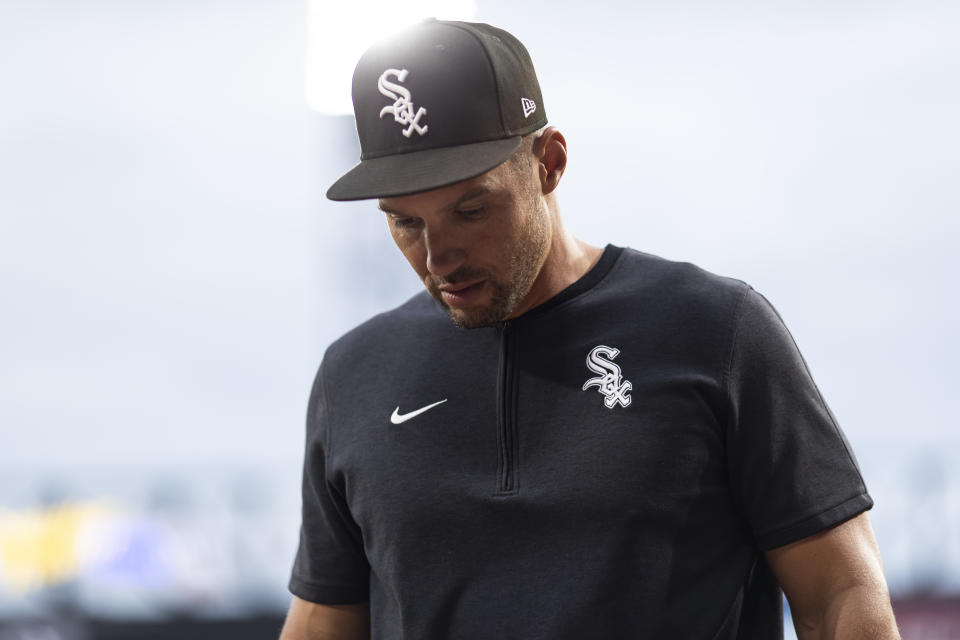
column 506, row 414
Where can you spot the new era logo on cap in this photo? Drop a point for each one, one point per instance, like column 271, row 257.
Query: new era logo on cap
column 529, row 106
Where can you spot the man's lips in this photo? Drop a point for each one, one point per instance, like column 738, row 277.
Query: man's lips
column 461, row 294
column 459, row 286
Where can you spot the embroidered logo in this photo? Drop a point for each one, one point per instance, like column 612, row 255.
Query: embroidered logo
column 610, row 382
column 402, row 107
column 397, row 418
column 529, row 106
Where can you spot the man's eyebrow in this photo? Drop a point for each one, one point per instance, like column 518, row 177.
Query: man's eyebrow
column 476, row 192
column 387, row 209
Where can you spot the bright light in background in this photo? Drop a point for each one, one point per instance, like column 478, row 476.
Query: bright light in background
column 339, row 33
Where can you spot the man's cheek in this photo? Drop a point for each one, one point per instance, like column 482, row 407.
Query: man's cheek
column 417, row 259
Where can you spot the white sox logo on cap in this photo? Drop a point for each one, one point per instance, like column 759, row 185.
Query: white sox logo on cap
column 402, row 107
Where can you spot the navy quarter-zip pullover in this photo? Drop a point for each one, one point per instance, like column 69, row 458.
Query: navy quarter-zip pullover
column 611, row 464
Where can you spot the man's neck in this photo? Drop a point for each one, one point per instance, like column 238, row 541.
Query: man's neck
column 568, row 260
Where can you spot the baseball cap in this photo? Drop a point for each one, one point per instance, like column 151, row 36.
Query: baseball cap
column 436, row 104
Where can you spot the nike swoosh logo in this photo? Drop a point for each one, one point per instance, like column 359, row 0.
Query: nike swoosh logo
column 396, row 418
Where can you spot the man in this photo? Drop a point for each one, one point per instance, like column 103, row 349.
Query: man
column 601, row 444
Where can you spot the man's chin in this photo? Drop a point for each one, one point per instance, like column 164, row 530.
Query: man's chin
column 475, row 316
column 472, row 318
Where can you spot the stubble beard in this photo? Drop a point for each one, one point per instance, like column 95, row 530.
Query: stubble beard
column 526, row 259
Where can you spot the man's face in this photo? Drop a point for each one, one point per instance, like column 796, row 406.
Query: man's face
column 477, row 245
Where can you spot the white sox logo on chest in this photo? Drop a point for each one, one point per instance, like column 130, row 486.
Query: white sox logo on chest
column 402, row 108
column 610, row 380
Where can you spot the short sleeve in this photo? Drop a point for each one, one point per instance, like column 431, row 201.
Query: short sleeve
column 791, row 468
column 330, row 565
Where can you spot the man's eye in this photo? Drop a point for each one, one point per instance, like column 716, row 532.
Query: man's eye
column 470, row 213
column 404, row 223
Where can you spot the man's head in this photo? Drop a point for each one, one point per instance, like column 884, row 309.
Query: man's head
column 454, row 144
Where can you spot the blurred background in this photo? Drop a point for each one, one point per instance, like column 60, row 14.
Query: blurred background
column 170, row 272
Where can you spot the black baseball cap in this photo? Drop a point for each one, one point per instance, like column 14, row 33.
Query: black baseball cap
column 436, row 104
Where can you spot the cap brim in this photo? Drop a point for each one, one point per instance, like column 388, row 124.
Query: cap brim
column 407, row 173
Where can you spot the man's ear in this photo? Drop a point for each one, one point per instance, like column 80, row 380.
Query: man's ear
column 550, row 150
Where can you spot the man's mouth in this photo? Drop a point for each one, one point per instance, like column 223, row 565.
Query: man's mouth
column 462, row 294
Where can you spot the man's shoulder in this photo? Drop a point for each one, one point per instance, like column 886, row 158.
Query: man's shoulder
column 641, row 274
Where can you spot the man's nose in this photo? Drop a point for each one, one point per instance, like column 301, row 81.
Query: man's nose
column 444, row 253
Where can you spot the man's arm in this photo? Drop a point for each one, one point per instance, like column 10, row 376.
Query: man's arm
column 834, row 583
column 312, row 621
